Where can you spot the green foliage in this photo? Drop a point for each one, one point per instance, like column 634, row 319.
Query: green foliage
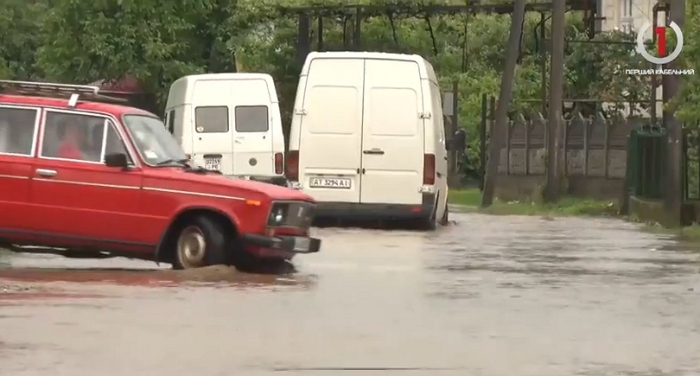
column 688, row 109
column 158, row 41
column 21, row 37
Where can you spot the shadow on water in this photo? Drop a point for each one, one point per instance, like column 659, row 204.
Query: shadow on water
column 396, row 224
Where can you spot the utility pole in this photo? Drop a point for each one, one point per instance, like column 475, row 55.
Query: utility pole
column 552, row 192
column 673, row 200
column 500, row 126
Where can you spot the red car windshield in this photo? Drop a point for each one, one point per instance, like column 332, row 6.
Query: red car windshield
column 154, row 143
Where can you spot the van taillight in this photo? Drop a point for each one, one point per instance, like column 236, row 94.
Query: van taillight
column 279, row 163
column 292, row 165
column 428, row 169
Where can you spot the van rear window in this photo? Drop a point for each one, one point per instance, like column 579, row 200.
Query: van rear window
column 211, row 119
column 252, row 119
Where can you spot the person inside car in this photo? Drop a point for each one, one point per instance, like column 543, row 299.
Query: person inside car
column 71, row 140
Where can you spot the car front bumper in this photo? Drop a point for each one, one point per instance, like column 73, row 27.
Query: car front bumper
column 292, row 244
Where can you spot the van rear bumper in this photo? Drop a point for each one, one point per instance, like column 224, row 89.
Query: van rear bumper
column 357, row 211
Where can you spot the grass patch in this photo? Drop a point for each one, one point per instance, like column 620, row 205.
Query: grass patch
column 471, row 200
column 689, row 234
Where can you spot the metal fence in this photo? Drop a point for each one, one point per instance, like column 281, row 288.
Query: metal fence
column 647, row 156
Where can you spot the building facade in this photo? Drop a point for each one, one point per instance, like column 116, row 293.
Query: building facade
column 630, row 15
column 626, row 14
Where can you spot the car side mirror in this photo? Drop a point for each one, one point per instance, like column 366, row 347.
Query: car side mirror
column 118, row 160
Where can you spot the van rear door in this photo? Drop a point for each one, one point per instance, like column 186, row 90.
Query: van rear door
column 392, row 136
column 252, row 118
column 212, row 143
column 331, row 126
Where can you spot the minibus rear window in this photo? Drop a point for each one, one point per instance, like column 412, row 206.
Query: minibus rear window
column 252, row 119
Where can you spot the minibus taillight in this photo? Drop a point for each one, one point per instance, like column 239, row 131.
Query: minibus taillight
column 279, row 163
column 292, row 165
column 428, row 169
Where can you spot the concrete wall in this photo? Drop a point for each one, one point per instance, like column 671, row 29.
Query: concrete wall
column 595, row 157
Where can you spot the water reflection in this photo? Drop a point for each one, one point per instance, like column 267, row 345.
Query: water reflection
column 211, row 276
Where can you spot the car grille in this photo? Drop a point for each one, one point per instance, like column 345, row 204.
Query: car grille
column 295, row 214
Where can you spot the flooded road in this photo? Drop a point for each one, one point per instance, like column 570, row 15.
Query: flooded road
column 488, row 296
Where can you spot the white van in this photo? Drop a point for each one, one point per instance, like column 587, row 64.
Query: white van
column 367, row 138
column 229, row 122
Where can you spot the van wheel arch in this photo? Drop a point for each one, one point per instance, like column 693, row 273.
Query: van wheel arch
column 445, row 219
column 429, row 223
column 165, row 250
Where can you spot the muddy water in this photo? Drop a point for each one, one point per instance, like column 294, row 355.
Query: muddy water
column 488, row 296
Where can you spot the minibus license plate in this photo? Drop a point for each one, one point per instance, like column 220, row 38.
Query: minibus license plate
column 341, row 183
column 212, row 164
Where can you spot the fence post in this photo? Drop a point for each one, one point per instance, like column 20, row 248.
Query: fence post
column 454, row 154
column 586, row 140
column 509, row 134
column 630, row 172
column 567, row 124
column 607, row 147
column 482, row 138
column 528, row 125
column 685, row 156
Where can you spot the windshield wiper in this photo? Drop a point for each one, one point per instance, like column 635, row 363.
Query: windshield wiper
column 181, row 162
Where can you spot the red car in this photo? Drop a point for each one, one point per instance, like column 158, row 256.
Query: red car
column 93, row 179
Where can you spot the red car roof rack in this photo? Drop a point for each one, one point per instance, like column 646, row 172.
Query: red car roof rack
column 54, row 90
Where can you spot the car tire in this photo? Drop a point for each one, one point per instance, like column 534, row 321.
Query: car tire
column 201, row 242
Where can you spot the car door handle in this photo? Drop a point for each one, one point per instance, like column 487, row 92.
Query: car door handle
column 46, row 173
column 374, row 151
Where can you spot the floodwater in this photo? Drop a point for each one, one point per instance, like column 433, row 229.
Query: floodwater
column 486, row 296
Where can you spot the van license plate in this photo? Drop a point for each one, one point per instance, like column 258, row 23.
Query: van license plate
column 212, row 164
column 341, row 183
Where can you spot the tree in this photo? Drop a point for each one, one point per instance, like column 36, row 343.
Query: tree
column 20, row 26
column 154, row 41
column 158, row 41
column 687, row 102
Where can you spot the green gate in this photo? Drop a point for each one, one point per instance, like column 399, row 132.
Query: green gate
column 646, row 160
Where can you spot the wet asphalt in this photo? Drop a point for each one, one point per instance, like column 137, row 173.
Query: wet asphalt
column 485, row 296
